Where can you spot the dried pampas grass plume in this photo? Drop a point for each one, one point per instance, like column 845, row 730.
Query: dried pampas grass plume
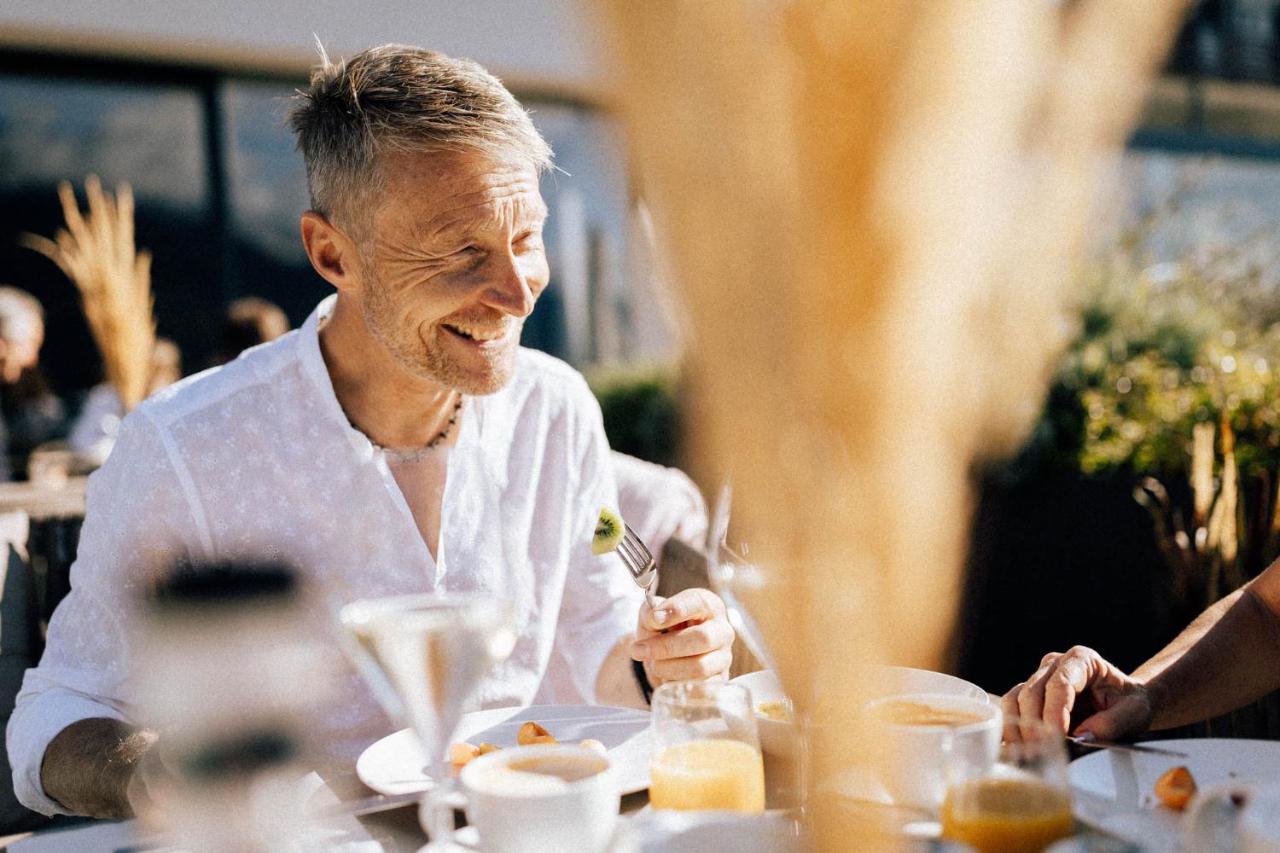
column 96, row 251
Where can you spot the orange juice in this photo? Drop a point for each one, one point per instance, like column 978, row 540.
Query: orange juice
column 708, row 774
column 1007, row 815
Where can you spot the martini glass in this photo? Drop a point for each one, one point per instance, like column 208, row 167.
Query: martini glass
column 423, row 656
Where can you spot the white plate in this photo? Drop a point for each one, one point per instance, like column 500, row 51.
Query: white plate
column 394, row 765
column 1115, row 791
column 651, row 831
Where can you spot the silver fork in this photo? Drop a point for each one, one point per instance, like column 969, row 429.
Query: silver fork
column 639, row 561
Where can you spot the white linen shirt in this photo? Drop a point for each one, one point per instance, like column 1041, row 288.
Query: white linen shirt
column 257, row 459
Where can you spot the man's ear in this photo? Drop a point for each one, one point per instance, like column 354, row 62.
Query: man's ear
column 333, row 254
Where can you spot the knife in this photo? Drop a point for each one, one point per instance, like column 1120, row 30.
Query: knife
column 1124, row 747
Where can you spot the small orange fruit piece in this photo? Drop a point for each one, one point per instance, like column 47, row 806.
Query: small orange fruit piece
column 1175, row 788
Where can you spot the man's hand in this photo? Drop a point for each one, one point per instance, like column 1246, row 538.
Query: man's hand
column 687, row 638
column 1080, row 683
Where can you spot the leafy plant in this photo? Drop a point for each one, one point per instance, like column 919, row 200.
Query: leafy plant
column 1174, row 378
column 641, row 415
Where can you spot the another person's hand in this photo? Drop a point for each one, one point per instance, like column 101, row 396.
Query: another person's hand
column 687, row 638
column 1080, row 685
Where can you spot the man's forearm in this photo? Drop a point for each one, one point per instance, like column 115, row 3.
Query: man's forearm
column 616, row 684
column 87, row 766
column 1219, row 663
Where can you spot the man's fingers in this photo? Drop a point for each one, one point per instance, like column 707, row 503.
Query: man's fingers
column 1031, row 696
column 652, row 618
column 689, row 605
column 687, row 642
column 697, row 668
column 1009, row 701
column 1068, row 679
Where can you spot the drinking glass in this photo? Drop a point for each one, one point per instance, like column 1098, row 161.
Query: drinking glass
column 423, row 656
column 706, row 750
column 1019, row 804
column 731, row 576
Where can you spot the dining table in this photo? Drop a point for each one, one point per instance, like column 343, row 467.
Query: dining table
column 356, row 820
column 1110, row 794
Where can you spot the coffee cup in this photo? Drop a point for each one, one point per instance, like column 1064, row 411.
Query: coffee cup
column 919, row 734
column 542, row 799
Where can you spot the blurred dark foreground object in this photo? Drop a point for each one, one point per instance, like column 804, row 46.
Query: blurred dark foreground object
column 228, row 673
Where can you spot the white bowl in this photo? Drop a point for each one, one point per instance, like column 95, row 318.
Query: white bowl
column 780, row 738
column 900, row 680
column 777, row 737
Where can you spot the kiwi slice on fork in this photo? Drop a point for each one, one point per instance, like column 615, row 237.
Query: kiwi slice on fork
column 609, row 532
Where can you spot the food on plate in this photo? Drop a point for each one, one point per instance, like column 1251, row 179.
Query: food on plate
column 609, row 532
column 595, row 745
column 1176, row 787
column 778, row 711
column 461, row 753
column 906, row 712
column 531, row 733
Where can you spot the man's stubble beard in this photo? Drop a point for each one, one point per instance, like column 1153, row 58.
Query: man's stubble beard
column 424, row 359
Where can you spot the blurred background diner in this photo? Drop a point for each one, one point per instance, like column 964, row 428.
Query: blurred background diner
column 1147, row 473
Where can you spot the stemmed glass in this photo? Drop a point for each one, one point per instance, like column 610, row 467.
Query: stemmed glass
column 731, row 575
column 423, row 656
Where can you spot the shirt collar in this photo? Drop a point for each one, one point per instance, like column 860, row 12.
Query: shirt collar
column 314, row 366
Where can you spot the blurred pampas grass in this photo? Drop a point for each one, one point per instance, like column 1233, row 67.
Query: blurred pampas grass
column 873, row 212
column 96, row 251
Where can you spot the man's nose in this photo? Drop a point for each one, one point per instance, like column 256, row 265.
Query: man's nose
column 510, row 289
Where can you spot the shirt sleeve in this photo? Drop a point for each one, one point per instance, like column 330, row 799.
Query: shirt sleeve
column 601, row 603
column 137, row 523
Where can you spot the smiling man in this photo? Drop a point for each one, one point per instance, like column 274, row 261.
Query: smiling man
column 395, row 442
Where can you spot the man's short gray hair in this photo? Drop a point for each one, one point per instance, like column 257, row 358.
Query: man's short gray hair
column 399, row 98
column 21, row 315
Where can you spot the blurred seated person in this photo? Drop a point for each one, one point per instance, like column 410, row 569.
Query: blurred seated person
column 94, row 431
column 32, row 414
column 247, row 322
column 1228, row 657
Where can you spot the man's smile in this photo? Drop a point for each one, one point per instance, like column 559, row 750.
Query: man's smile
column 481, row 336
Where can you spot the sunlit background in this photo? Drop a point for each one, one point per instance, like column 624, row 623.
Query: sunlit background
column 186, row 102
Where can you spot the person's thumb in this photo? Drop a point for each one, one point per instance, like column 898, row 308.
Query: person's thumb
column 1128, row 717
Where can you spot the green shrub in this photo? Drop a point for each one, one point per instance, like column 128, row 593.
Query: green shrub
column 641, row 414
column 1161, row 348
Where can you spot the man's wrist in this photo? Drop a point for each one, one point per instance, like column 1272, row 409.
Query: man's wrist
column 642, row 679
column 1153, row 694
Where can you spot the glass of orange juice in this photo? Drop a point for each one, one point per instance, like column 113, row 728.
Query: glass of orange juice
column 706, row 750
column 1019, row 804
